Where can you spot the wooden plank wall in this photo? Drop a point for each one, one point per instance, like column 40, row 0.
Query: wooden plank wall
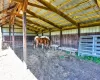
column 19, row 38
column 70, row 40
column 70, row 37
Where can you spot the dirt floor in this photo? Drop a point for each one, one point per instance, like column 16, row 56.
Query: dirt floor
column 48, row 65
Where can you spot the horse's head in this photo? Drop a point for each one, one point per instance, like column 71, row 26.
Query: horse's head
column 36, row 37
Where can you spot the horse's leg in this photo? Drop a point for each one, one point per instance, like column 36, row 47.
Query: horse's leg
column 48, row 44
column 36, row 43
column 42, row 46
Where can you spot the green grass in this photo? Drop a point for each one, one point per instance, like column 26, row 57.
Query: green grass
column 87, row 58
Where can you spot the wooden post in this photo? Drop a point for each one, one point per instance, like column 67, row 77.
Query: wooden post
column 0, row 40
column 42, row 33
column 13, row 38
column 2, row 32
column 50, row 35
column 24, row 38
column 78, row 34
column 78, row 31
column 10, row 34
column 37, row 34
column 61, row 37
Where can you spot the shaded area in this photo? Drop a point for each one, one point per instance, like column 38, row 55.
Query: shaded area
column 48, row 65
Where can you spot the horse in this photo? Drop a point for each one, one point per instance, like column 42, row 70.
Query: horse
column 43, row 41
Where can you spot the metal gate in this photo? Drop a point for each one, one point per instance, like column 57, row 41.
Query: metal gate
column 89, row 45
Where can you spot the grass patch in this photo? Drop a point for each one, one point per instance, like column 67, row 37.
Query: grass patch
column 87, row 58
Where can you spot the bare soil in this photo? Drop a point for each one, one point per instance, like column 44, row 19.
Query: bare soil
column 46, row 64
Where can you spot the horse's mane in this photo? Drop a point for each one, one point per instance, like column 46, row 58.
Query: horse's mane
column 41, row 37
column 44, row 37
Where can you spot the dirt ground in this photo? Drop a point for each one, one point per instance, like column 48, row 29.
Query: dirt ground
column 47, row 64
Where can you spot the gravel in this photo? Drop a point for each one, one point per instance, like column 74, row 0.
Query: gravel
column 47, row 64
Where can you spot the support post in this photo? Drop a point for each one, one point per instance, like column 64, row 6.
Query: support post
column 78, row 34
column 42, row 33
column 37, row 34
column 2, row 32
column 9, row 33
column 50, row 35
column 61, row 37
column 0, row 40
column 24, row 38
column 13, row 38
column 78, row 31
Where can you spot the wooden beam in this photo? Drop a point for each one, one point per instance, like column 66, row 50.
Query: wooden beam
column 38, row 6
column 19, row 1
column 24, row 38
column 3, row 23
column 2, row 32
column 5, row 17
column 13, row 38
column 78, row 35
column 0, row 38
column 10, row 33
column 42, row 33
column 60, row 37
column 90, row 24
column 20, row 22
column 50, row 37
column 12, row 15
column 14, row 28
column 24, row 5
column 21, row 26
column 34, row 28
column 35, row 23
column 45, row 20
column 54, row 9
column 98, row 3
column 11, row 7
column 37, row 34
column 78, row 31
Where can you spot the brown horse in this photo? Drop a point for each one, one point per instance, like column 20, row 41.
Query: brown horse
column 43, row 41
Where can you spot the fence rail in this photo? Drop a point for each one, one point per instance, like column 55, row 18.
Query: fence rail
column 89, row 45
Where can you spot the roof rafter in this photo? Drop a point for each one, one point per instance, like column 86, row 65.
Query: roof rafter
column 5, row 17
column 27, row 25
column 21, row 1
column 33, row 26
column 11, row 7
column 22, row 27
column 83, row 2
column 74, row 6
column 45, row 20
column 34, row 23
column 77, row 11
column 38, row 6
column 97, row 23
column 53, row 8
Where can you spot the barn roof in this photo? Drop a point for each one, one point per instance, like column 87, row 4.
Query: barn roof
column 45, row 15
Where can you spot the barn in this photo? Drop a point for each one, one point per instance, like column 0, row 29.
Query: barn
column 73, row 29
